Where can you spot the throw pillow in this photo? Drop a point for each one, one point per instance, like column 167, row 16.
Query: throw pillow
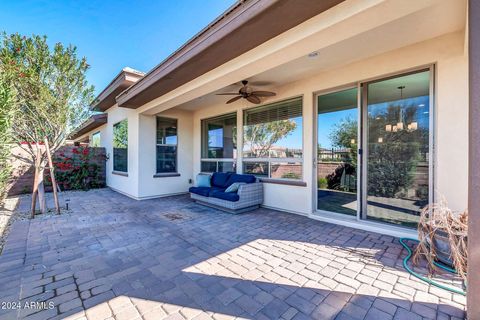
column 234, row 187
column 203, row 180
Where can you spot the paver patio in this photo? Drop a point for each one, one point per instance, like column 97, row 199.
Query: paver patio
column 117, row 258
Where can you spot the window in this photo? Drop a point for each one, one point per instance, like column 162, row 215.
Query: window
column 120, row 146
column 219, row 143
column 272, row 140
column 166, row 145
column 95, row 140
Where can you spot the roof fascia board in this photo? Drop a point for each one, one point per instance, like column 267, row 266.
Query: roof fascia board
column 122, row 77
column 284, row 47
column 218, row 30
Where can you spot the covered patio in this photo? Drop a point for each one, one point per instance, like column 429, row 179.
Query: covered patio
column 169, row 258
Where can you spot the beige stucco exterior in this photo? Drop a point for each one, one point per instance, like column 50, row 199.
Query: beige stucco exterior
column 355, row 41
column 451, row 111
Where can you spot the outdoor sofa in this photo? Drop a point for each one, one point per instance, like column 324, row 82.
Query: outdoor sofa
column 249, row 195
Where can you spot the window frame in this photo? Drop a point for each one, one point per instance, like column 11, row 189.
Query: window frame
column 119, row 172
column 100, row 137
column 232, row 160
column 271, row 160
column 172, row 173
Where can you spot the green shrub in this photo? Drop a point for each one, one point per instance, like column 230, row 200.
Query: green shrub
column 7, row 110
column 391, row 168
column 291, row 175
column 322, row 183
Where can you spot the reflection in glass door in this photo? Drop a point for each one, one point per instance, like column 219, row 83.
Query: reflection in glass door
column 397, row 133
column 337, row 134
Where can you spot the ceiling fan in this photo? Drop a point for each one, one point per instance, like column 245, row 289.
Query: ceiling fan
column 247, row 92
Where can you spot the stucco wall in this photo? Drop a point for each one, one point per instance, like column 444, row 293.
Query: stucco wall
column 124, row 184
column 451, row 136
column 149, row 185
column 451, row 116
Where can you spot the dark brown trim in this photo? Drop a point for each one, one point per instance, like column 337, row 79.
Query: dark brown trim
column 284, row 182
column 241, row 28
column 106, row 99
column 473, row 291
column 166, row 175
column 120, row 173
column 92, row 123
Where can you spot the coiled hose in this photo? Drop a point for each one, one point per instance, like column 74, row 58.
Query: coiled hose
column 430, row 281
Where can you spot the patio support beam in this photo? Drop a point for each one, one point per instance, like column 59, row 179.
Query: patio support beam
column 473, row 295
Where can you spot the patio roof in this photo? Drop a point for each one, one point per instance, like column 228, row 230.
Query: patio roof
column 92, row 123
column 122, row 81
column 241, row 28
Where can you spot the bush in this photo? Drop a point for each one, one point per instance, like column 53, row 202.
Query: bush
column 391, row 167
column 322, row 183
column 7, row 109
column 78, row 172
column 291, row 175
column 334, row 180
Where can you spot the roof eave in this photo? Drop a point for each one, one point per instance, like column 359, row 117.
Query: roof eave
column 122, row 81
column 242, row 15
column 92, row 123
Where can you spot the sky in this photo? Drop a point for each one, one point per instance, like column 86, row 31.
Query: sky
column 112, row 34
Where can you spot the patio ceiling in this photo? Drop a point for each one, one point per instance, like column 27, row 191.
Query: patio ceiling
column 442, row 18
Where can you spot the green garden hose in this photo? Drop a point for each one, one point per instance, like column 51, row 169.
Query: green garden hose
column 430, row 281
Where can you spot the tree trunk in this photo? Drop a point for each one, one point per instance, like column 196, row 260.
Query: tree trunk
column 42, row 202
column 35, row 187
column 52, row 176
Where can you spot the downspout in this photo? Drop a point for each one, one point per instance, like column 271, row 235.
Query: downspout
column 473, row 290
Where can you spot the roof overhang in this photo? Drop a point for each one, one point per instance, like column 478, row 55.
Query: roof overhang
column 90, row 124
column 122, row 81
column 243, row 27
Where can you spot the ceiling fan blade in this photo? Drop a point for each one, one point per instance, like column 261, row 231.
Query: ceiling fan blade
column 253, row 99
column 234, row 99
column 264, row 93
column 227, row 94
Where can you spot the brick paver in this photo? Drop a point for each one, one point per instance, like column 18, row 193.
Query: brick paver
column 112, row 257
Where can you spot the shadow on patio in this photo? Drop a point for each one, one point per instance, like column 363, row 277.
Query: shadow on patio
column 172, row 258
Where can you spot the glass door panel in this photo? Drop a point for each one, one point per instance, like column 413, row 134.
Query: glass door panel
column 397, row 143
column 337, row 145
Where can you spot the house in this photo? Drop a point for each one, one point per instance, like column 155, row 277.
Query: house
column 394, row 73
column 386, row 82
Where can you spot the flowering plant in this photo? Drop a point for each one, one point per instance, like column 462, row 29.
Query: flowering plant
column 80, row 170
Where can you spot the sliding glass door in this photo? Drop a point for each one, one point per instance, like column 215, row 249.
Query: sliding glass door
column 387, row 148
column 397, row 129
column 337, row 164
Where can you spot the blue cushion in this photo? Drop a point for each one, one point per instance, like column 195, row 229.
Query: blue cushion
column 203, row 180
column 202, row 191
column 215, row 189
column 229, row 196
column 234, row 187
column 220, row 179
column 246, row 178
